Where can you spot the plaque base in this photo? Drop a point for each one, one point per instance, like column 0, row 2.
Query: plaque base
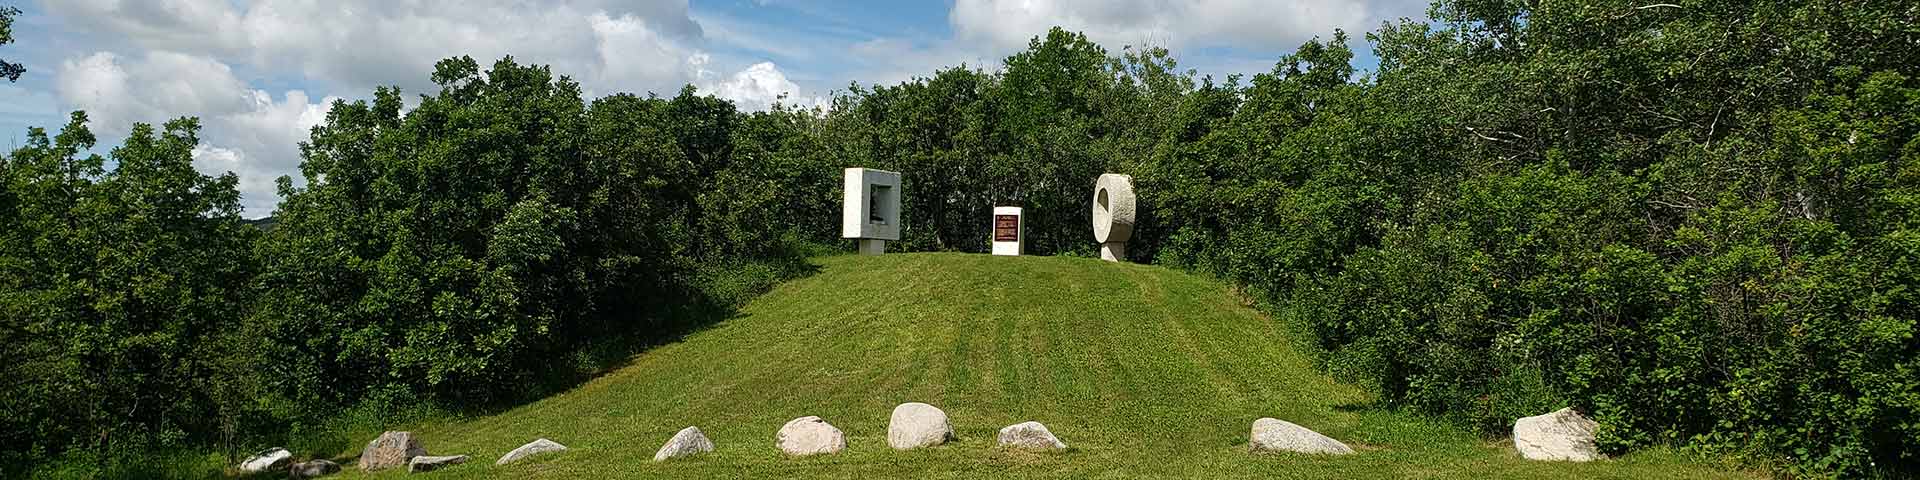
column 870, row 246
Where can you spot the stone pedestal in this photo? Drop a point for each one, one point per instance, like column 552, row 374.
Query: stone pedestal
column 1113, row 251
column 870, row 246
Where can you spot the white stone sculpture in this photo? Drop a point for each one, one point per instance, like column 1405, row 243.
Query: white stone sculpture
column 916, row 425
column 871, row 211
column 1113, row 215
column 810, row 436
column 1561, row 435
column 1272, row 435
column 1009, row 231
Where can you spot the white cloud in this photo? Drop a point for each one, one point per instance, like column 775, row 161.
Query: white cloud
column 1251, row 24
column 759, row 86
column 244, row 130
column 359, row 44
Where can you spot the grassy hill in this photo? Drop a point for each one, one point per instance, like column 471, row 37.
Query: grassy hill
column 1143, row 371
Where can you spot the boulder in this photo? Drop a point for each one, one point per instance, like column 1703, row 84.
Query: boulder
column 268, row 460
column 392, row 449
column 688, row 442
column 1270, row 435
column 535, row 447
column 916, row 425
column 426, row 463
column 312, row 469
column 810, row 435
column 1561, row 435
column 1030, row 435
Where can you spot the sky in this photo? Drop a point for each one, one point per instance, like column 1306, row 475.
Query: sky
column 260, row 73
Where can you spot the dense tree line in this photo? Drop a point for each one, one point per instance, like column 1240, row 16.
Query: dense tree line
column 1694, row 221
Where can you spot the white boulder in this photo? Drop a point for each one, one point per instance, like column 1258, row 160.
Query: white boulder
column 392, row 449
column 1271, row 435
column 686, row 443
column 1562, row 435
column 269, row 460
column 916, row 425
column 535, row 447
column 1030, row 435
column 312, row 469
column 426, row 463
column 810, row 435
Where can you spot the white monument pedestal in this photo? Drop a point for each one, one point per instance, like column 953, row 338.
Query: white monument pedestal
column 1113, row 251
column 1009, row 231
column 871, row 210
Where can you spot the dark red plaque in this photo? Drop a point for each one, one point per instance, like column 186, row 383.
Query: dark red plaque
column 1006, row 228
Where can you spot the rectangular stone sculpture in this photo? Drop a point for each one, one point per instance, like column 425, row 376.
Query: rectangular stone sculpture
column 1009, row 231
column 871, row 209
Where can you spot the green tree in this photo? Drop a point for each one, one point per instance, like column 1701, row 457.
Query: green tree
column 11, row 71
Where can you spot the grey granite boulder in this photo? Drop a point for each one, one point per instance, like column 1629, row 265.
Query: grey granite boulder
column 686, row 443
column 916, row 425
column 535, row 447
column 1031, row 436
column 392, row 449
column 312, row 469
column 810, row 435
column 425, row 463
column 1563, row 435
column 1271, row 435
column 266, row 461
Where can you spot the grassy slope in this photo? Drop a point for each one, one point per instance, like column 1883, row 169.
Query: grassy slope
column 1144, row 371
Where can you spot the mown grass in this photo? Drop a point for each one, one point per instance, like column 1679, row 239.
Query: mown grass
column 1143, row 371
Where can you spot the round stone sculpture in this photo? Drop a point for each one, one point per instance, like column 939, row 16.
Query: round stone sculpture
column 1113, row 208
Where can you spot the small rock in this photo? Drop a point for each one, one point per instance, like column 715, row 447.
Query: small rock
column 392, row 449
column 535, row 447
column 312, row 469
column 267, row 460
column 1270, row 435
column 1561, row 435
column 426, row 463
column 1030, row 435
column 688, row 442
column 810, row 436
column 916, row 425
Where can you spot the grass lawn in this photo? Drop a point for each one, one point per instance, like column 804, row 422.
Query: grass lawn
column 1141, row 370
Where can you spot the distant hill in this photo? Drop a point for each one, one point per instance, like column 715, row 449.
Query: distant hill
column 264, row 223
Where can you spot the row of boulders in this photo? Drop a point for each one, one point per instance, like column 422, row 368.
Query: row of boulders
column 913, row 425
column 1562, row 435
column 391, row 449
